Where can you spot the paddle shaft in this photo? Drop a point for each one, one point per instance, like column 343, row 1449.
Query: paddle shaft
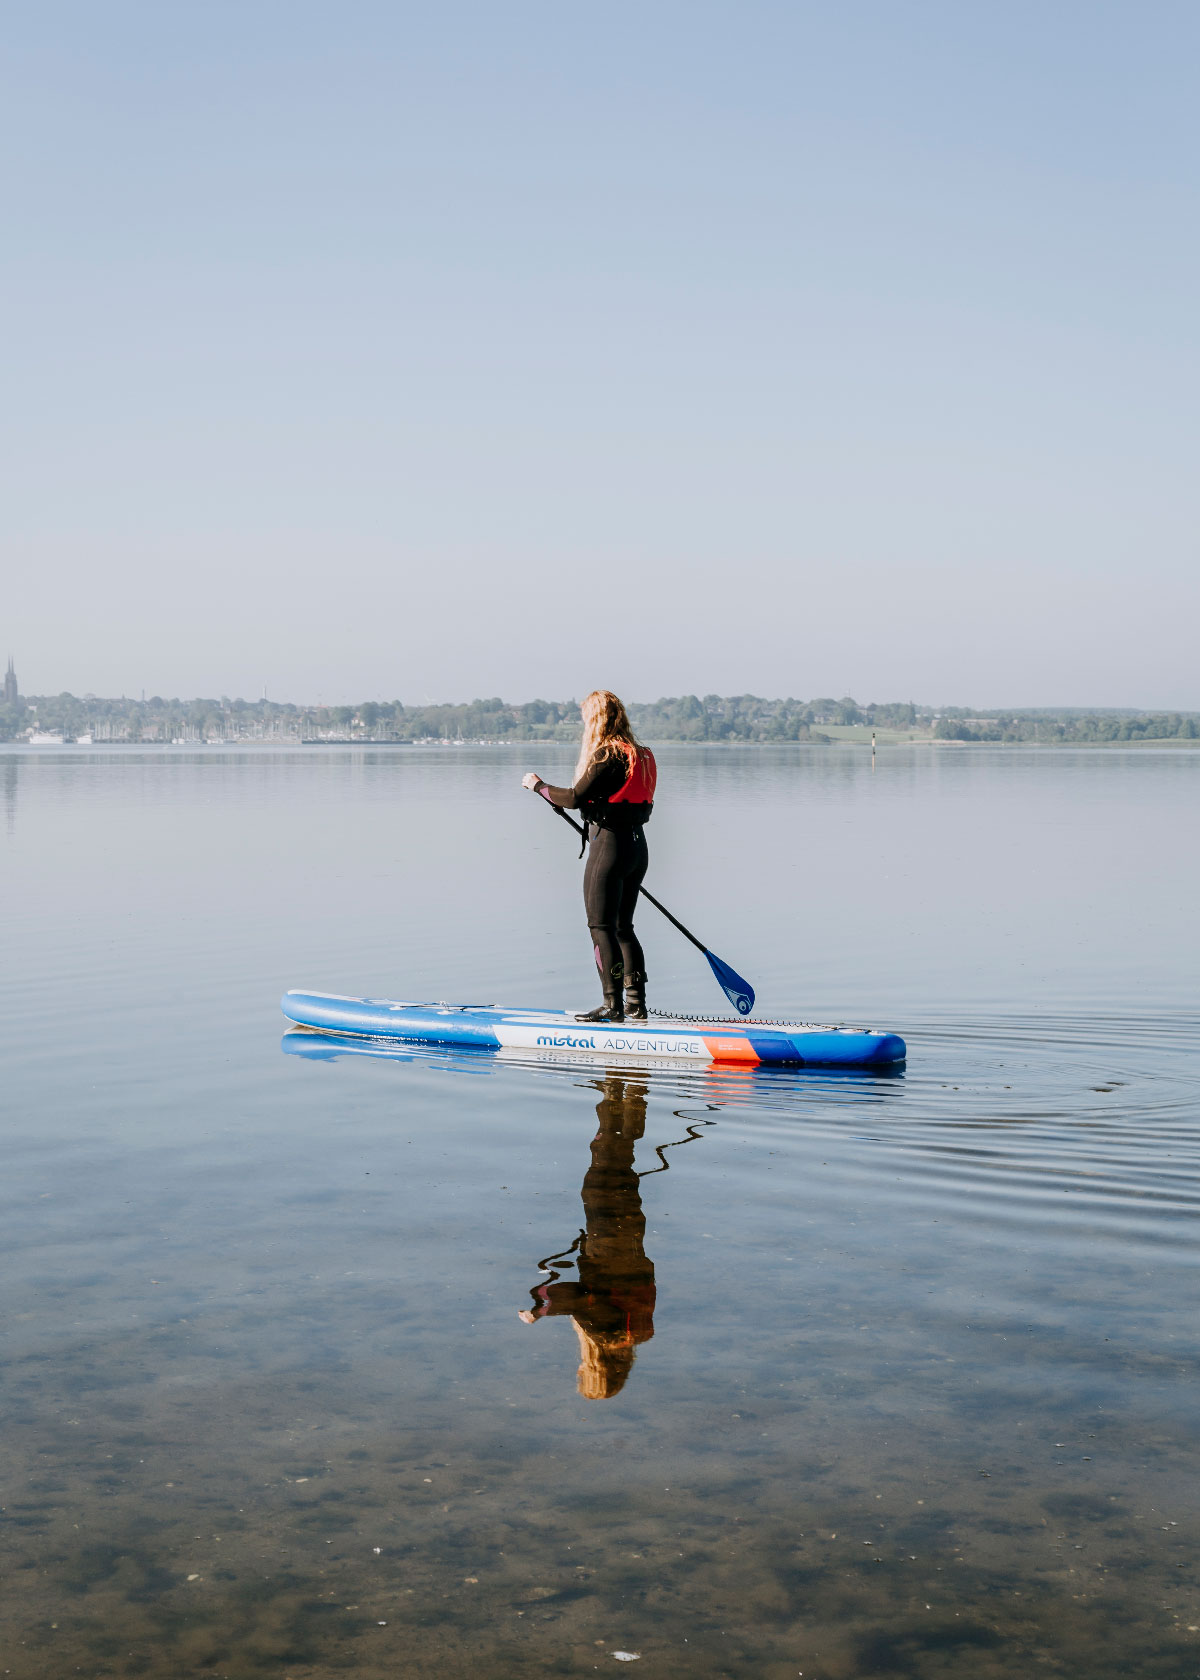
column 674, row 921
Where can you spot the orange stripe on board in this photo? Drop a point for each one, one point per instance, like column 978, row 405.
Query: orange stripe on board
column 732, row 1047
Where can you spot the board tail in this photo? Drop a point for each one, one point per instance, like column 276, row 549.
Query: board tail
column 739, row 992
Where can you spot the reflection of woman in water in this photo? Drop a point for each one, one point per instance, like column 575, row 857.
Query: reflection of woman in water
column 612, row 1299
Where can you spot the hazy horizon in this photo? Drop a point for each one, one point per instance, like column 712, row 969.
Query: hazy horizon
column 673, row 350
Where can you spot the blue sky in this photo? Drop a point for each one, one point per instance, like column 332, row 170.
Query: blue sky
column 441, row 351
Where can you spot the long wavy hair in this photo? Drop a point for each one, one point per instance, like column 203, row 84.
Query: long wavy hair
column 606, row 729
column 605, row 1361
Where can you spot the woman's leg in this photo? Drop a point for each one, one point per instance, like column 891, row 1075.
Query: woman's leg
column 602, row 883
column 631, row 949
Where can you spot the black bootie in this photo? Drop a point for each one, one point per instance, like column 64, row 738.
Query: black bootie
column 635, row 998
column 612, row 1009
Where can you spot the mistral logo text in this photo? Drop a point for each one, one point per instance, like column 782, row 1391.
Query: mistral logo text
column 642, row 1046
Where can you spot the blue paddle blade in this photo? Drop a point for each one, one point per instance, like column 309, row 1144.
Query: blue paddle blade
column 739, row 992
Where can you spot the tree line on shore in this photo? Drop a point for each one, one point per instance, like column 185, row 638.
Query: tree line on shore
column 688, row 717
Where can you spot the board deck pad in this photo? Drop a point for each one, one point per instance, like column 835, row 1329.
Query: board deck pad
column 748, row 1043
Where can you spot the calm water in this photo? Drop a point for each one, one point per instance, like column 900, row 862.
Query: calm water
column 846, row 1376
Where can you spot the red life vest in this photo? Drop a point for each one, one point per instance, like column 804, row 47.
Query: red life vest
column 640, row 783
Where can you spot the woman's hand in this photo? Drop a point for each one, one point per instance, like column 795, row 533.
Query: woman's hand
column 532, row 781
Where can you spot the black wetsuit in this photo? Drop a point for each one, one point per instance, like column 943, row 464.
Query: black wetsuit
column 616, row 867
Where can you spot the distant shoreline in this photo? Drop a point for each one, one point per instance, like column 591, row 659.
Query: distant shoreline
column 428, row 743
column 740, row 719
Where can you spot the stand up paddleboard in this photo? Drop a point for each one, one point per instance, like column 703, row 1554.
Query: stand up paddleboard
column 553, row 1032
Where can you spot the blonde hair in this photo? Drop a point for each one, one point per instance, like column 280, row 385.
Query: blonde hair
column 606, row 1359
column 606, row 729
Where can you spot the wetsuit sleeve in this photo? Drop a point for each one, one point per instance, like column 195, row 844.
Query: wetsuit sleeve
column 556, row 1300
column 564, row 798
column 599, row 781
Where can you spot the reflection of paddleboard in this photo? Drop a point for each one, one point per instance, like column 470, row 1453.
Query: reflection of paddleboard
column 553, row 1032
column 317, row 1046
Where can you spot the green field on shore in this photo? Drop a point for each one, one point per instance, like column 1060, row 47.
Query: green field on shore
column 859, row 734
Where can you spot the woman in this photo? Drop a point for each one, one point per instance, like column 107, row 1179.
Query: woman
column 614, row 789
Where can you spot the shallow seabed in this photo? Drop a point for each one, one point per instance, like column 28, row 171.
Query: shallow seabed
column 426, row 1363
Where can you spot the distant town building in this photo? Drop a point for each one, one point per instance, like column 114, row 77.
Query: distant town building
column 10, row 684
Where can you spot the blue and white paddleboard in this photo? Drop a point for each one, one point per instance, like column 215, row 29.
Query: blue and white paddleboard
column 699, row 1042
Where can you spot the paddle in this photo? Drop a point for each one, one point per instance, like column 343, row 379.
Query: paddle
column 739, row 992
